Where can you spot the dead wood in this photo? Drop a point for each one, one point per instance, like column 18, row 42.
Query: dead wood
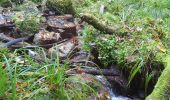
column 96, row 23
column 11, row 41
column 105, row 72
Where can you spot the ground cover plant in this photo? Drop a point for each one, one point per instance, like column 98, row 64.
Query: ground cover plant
column 143, row 35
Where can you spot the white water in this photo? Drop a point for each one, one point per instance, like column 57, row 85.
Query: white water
column 112, row 94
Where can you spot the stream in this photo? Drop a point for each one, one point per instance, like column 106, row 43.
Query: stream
column 113, row 95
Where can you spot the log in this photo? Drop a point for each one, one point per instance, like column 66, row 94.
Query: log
column 15, row 41
column 96, row 23
column 105, row 72
column 162, row 87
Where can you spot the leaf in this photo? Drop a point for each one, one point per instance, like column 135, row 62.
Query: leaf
column 28, row 95
column 161, row 49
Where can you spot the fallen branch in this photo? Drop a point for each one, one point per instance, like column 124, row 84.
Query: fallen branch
column 11, row 41
column 105, row 72
column 96, row 23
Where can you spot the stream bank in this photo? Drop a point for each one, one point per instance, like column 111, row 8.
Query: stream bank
column 115, row 47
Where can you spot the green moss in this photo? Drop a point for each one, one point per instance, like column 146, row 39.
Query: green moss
column 162, row 87
column 27, row 18
column 37, row 1
column 5, row 3
column 61, row 6
column 28, row 25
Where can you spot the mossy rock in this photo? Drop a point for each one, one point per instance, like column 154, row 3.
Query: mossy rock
column 37, row 1
column 61, row 6
column 17, row 1
column 8, row 3
column 5, row 3
column 162, row 87
column 27, row 18
column 87, row 86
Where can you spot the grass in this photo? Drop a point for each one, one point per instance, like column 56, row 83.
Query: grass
column 3, row 81
column 134, row 47
column 24, row 78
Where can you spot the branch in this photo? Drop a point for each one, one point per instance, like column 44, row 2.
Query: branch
column 105, row 72
column 96, row 23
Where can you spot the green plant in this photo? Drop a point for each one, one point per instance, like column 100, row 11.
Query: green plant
column 3, row 81
column 143, row 35
column 30, row 80
column 31, row 25
column 5, row 3
column 148, row 77
column 27, row 18
column 61, row 6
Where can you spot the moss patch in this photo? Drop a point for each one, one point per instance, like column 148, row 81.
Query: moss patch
column 61, row 6
column 162, row 87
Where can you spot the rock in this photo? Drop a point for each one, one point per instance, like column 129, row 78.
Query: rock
column 87, row 82
column 27, row 18
column 64, row 49
column 2, row 20
column 45, row 37
column 62, row 24
column 6, row 18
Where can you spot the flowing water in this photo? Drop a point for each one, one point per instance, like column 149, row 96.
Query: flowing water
column 108, row 87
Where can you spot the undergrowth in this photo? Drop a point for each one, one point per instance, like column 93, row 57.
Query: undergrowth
column 22, row 77
column 134, row 47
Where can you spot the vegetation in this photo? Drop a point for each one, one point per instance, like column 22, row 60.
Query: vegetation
column 61, row 6
column 27, row 79
column 161, row 91
column 27, row 18
column 137, row 46
column 143, row 35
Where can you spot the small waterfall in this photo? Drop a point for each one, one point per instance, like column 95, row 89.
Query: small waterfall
column 113, row 95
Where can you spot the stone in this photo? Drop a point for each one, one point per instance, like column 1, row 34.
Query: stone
column 46, row 37
column 63, row 49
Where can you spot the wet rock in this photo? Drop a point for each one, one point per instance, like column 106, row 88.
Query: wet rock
column 46, row 37
column 6, row 19
column 66, row 17
column 79, row 57
column 63, row 25
column 119, row 84
column 64, row 49
column 79, row 81
column 2, row 19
